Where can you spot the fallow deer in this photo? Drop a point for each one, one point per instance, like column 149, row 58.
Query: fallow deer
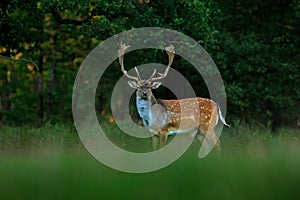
column 166, row 117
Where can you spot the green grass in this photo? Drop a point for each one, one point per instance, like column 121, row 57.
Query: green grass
column 51, row 163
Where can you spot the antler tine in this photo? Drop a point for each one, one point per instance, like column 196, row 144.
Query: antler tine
column 149, row 79
column 121, row 52
column 137, row 72
column 170, row 51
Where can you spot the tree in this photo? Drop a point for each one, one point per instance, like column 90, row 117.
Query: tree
column 255, row 44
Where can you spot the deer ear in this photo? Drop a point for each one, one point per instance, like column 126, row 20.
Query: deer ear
column 155, row 85
column 133, row 84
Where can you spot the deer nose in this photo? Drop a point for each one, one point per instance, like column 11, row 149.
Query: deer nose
column 144, row 93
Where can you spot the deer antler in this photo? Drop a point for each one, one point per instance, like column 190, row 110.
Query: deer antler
column 123, row 48
column 170, row 51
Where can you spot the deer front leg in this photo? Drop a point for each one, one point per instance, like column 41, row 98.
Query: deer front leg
column 163, row 136
column 154, row 141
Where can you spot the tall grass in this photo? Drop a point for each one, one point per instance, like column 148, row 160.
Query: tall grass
column 51, row 163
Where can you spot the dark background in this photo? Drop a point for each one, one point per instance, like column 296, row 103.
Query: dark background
column 255, row 45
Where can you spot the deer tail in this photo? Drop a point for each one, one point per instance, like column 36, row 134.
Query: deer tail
column 222, row 118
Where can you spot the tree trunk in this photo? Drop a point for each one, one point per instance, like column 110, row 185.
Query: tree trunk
column 4, row 93
column 51, row 84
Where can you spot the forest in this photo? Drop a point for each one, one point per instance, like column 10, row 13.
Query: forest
column 255, row 45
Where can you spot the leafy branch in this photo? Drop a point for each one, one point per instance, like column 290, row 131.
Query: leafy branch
column 56, row 15
column 21, row 60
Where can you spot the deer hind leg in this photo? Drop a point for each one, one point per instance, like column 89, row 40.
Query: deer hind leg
column 211, row 135
column 210, row 138
column 211, row 132
column 201, row 136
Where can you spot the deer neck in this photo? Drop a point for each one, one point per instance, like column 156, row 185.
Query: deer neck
column 153, row 99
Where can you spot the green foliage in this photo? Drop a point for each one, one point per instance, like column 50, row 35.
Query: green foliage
column 258, row 56
column 255, row 44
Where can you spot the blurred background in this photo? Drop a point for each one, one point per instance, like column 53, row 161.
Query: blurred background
column 255, row 45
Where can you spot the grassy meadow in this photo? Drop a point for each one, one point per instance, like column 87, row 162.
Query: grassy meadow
column 51, row 163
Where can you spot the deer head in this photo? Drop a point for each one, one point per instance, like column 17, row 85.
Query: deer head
column 142, row 86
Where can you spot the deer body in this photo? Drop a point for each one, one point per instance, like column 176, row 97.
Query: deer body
column 166, row 117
